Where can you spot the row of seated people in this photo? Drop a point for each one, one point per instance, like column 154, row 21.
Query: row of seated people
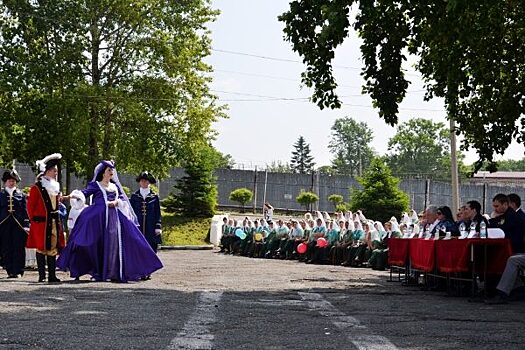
column 342, row 241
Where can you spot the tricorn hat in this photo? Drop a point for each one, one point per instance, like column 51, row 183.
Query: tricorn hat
column 146, row 176
column 11, row 174
column 48, row 162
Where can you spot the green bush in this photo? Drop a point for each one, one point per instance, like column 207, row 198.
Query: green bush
column 341, row 207
column 306, row 199
column 336, row 199
column 242, row 196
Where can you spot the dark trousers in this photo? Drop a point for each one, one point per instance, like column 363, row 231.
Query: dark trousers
column 13, row 242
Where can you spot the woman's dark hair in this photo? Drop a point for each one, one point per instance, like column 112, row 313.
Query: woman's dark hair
column 101, row 174
column 447, row 213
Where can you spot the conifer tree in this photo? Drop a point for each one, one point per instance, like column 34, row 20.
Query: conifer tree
column 302, row 161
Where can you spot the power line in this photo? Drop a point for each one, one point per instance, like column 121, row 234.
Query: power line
column 278, row 59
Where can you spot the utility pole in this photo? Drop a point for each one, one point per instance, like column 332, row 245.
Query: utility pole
column 454, row 167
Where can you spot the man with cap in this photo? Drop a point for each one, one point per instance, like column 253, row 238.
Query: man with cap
column 46, row 231
column 14, row 225
column 146, row 205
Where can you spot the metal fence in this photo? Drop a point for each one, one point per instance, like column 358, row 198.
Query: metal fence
column 281, row 189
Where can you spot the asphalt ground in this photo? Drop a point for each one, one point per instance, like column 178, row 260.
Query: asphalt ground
column 207, row 300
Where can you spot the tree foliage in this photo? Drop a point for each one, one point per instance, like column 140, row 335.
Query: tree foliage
column 279, row 167
column 350, row 142
column 335, row 199
column 302, row 161
column 468, row 52
column 380, row 198
column 121, row 80
column 241, row 195
column 421, row 147
column 306, row 199
column 195, row 193
column 418, row 147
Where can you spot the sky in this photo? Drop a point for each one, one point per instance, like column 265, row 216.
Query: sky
column 257, row 75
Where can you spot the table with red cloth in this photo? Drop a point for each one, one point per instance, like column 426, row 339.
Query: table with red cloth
column 451, row 256
column 397, row 251
column 422, row 254
column 455, row 255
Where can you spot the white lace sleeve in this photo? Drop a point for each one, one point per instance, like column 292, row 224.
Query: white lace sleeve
column 125, row 208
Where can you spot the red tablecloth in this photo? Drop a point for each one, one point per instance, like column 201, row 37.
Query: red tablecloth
column 455, row 255
column 422, row 254
column 397, row 251
column 450, row 255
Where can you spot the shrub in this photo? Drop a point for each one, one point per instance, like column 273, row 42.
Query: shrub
column 242, row 196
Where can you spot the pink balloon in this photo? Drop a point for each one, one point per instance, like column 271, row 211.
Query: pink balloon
column 301, row 248
column 321, row 242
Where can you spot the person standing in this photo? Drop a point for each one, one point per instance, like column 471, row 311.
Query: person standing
column 14, row 225
column 106, row 242
column 46, row 233
column 146, row 205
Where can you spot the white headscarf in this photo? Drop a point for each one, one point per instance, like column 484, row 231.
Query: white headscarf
column 351, row 225
column 405, row 219
column 414, row 217
column 361, row 216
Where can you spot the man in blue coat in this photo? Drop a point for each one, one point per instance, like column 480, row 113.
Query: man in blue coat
column 146, row 205
column 14, row 225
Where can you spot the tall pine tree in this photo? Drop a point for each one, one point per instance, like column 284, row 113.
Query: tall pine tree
column 302, row 161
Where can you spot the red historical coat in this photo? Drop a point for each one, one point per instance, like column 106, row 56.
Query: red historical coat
column 41, row 214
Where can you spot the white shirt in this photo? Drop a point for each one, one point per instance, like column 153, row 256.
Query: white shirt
column 144, row 192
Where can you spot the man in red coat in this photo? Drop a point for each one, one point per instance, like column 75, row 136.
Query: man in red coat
column 46, row 234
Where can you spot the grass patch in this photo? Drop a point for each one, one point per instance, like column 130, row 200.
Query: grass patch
column 178, row 230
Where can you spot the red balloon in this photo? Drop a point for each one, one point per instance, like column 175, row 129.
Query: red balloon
column 321, row 242
column 301, row 248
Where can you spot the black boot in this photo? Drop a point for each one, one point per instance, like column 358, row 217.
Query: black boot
column 41, row 263
column 51, row 268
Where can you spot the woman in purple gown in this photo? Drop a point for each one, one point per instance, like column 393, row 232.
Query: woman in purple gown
column 105, row 241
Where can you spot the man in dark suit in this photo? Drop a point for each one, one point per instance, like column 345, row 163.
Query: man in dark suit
column 146, row 205
column 14, row 225
column 515, row 203
column 509, row 221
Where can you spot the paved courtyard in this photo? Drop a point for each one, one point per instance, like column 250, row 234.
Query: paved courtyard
column 206, row 300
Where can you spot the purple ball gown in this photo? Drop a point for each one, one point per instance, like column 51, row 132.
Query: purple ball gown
column 105, row 243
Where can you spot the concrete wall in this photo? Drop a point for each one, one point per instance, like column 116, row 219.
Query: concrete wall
column 282, row 189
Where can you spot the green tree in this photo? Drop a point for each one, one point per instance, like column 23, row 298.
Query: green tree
column 335, row 199
column 242, row 196
column 327, row 170
column 511, row 165
column 105, row 79
column 306, row 199
column 466, row 52
column 302, row 161
column 350, row 142
column 380, row 198
column 418, row 147
column 196, row 192
column 279, row 167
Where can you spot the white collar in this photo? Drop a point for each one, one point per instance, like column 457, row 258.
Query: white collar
column 144, row 192
column 110, row 188
column 51, row 185
column 10, row 190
